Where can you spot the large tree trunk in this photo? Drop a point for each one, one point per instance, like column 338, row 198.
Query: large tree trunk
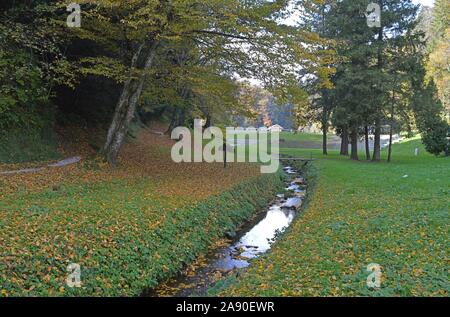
column 126, row 105
column 366, row 136
column 344, row 142
column 377, row 142
column 354, row 142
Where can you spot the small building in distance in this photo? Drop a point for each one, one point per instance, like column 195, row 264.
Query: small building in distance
column 276, row 128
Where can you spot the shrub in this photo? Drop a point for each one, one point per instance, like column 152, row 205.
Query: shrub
column 436, row 139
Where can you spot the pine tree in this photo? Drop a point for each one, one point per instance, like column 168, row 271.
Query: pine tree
column 367, row 74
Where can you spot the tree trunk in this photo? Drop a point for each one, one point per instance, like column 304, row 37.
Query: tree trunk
column 354, row 142
column 324, row 142
column 410, row 130
column 390, row 144
column 126, row 105
column 447, row 149
column 208, row 123
column 206, row 113
column 377, row 141
column 324, row 132
column 391, row 132
column 344, row 142
column 224, row 154
column 366, row 135
column 181, row 118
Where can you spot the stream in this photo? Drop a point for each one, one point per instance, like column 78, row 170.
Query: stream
column 252, row 239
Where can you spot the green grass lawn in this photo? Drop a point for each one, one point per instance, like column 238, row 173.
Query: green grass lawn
column 128, row 233
column 287, row 139
column 361, row 213
column 288, row 136
column 306, row 137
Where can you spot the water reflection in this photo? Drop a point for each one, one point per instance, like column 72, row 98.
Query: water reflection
column 255, row 239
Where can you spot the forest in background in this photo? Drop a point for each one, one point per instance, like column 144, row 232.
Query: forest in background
column 136, row 61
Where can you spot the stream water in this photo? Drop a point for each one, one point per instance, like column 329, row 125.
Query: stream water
column 253, row 239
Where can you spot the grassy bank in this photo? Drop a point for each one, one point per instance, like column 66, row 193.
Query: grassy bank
column 127, row 227
column 28, row 146
column 395, row 215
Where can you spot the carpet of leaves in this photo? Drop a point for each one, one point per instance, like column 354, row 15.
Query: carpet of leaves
column 90, row 211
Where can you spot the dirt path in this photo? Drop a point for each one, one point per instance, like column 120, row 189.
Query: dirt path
column 65, row 162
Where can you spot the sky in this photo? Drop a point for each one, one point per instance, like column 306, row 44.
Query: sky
column 429, row 3
column 292, row 21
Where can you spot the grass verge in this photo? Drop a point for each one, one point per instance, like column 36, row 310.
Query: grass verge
column 28, row 146
column 395, row 215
